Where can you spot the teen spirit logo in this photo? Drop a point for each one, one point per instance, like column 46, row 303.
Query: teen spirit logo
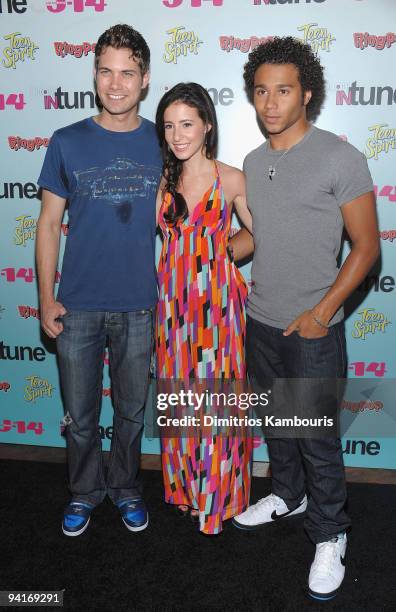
column 19, row 48
column 362, row 40
column 230, row 43
column 320, row 39
column 28, row 311
column 64, row 48
column 370, row 323
column 381, row 141
column 37, row 388
column 25, row 230
column 29, row 144
column 182, row 43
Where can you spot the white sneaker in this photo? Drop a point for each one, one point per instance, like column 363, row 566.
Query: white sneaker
column 267, row 510
column 328, row 568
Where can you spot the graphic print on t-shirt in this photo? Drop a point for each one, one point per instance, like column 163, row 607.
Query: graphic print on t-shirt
column 123, row 179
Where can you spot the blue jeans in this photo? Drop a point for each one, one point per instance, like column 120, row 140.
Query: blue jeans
column 81, row 348
column 315, row 464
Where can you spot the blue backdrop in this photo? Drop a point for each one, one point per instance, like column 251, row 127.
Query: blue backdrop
column 46, row 70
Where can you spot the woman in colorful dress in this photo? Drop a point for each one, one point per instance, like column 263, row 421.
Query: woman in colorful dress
column 200, row 330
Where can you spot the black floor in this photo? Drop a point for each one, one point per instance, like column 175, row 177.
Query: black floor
column 170, row 566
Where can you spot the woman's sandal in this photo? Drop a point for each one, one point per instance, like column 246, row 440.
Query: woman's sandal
column 182, row 510
column 194, row 516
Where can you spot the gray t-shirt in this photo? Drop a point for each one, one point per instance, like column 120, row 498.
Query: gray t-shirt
column 297, row 222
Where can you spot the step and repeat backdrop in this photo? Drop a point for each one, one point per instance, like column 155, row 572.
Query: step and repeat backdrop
column 46, row 82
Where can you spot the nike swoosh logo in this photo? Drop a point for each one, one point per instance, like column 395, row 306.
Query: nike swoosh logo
column 276, row 516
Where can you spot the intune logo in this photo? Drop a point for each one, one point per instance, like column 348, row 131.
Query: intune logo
column 362, row 40
column 351, row 447
column 223, row 96
column 63, row 99
column 358, row 95
column 20, row 353
column 386, row 284
column 18, row 190
column 16, row 6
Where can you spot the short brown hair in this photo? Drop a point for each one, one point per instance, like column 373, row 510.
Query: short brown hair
column 122, row 36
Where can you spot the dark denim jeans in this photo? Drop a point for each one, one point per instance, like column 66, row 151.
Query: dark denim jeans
column 81, row 348
column 315, row 464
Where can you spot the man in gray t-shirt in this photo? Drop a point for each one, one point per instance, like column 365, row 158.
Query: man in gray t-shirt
column 304, row 185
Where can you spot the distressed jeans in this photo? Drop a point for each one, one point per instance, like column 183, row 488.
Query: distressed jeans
column 81, row 348
column 312, row 464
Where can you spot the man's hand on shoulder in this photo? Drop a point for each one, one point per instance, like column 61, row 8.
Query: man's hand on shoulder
column 307, row 326
column 50, row 313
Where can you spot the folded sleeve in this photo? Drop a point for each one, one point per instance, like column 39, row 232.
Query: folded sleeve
column 53, row 176
column 352, row 176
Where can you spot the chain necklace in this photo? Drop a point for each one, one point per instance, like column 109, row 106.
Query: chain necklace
column 272, row 168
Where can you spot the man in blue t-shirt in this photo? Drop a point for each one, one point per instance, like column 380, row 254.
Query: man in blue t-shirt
column 107, row 169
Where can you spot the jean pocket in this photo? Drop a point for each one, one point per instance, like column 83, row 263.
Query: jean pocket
column 314, row 340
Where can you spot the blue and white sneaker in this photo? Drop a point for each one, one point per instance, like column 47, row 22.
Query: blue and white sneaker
column 328, row 568
column 76, row 518
column 133, row 513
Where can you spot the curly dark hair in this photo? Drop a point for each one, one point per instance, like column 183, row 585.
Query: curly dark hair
column 122, row 36
column 289, row 50
column 196, row 96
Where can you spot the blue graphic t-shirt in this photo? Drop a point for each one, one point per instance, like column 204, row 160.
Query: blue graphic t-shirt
column 110, row 180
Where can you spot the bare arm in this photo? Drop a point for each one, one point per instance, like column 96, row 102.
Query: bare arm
column 241, row 244
column 360, row 221
column 159, row 198
column 47, row 252
column 244, row 213
column 235, row 184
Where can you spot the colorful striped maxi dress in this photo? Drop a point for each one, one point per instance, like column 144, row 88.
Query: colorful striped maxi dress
column 201, row 334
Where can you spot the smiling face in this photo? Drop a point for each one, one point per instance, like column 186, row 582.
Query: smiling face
column 278, row 98
column 185, row 132
column 119, row 82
